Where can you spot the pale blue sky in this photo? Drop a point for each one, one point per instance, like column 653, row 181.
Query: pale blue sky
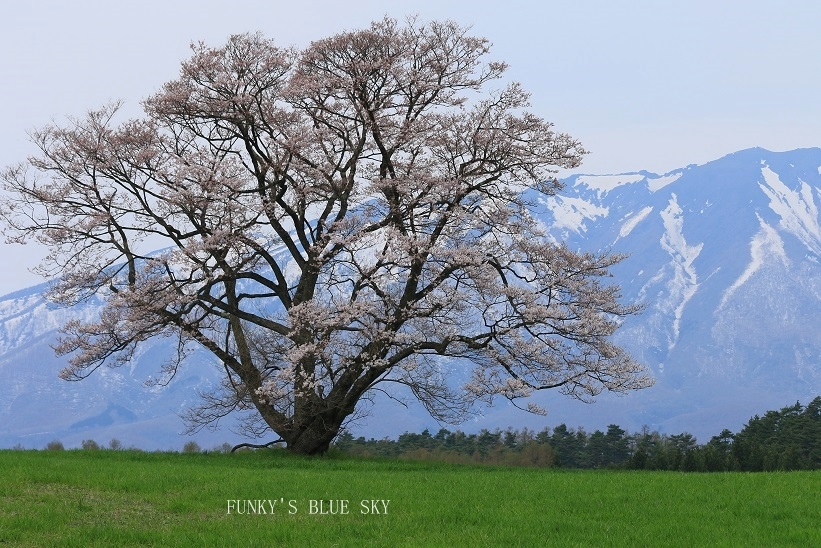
column 643, row 84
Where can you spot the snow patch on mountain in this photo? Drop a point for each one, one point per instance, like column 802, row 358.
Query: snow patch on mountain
column 633, row 220
column 602, row 184
column 797, row 209
column 657, row 183
column 765, row 244
column 27, row 317
column 570, row 213
column 683, row 284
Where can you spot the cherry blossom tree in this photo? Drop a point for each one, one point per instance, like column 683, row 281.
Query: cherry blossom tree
column 326, row 222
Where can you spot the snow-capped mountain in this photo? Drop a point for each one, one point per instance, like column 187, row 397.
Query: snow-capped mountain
column 37, row 407
column 724, row 256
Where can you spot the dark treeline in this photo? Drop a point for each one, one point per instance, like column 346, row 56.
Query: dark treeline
column 789, row 439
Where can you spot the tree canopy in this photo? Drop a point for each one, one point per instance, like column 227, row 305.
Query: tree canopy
column 325, row 221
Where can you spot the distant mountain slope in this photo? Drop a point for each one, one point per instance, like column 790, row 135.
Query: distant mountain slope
column 37, row 407
column 724, row 256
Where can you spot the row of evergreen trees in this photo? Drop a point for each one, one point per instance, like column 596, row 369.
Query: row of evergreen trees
column 789, row 439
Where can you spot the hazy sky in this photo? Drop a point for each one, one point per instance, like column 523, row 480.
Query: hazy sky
column 650, row 85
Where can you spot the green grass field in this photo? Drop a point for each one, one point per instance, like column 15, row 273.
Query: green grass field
column 121, row 498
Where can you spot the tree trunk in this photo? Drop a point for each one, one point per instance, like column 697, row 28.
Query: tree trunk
column 316, row 437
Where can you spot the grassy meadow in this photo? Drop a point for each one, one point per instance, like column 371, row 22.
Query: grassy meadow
column 124, row 498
